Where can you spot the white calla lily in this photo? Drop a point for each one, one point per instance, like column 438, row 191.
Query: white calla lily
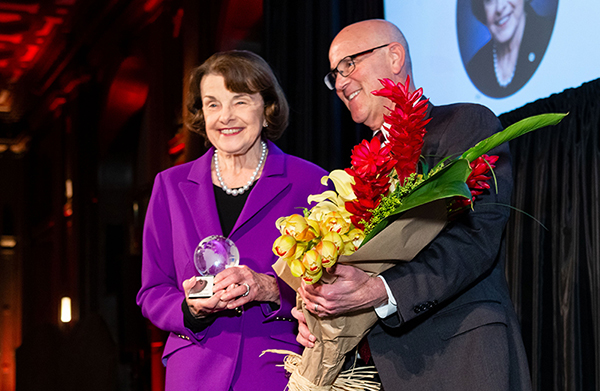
column 343, row 184
column 326, row 195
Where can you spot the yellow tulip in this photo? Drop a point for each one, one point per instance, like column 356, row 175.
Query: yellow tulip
column 353, row 240
column 334, row 222
column 328, row 251
column 312, row 262
column 294, row 225
column 300, row 248
column 284, row 246
column 335, row 238
column 313, row 228
column 297, row 268
column 310, row 279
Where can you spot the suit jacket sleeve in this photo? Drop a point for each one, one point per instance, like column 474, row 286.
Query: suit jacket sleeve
column 467, row 249
column 160, row 292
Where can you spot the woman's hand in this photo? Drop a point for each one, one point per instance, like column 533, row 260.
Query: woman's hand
column 240, row 285
column 203, row 307
column 305, row 338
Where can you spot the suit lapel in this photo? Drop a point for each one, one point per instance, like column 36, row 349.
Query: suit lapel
column 200, row 198
column 271, row 183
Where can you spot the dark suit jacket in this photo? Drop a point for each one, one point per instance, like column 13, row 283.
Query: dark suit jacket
column 456, row 328
column 182, row 212
column 533, row 46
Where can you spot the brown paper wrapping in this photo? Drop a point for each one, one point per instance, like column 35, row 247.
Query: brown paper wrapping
column 336, row 336
column 402, row 240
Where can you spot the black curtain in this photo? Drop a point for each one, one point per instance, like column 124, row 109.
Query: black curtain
column 554, row 263
column 297, row 35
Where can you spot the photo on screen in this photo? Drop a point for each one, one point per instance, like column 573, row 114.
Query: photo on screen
column 503, row 42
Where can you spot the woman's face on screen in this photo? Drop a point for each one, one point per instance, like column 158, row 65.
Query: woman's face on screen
column 503, row 18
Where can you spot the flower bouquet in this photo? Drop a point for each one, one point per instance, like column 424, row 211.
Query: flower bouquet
column 383, row 210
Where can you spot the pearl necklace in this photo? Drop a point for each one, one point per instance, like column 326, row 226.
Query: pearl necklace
column 240, row 190
column 502, row 83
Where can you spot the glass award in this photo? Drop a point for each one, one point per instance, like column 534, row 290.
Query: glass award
column 213, row 255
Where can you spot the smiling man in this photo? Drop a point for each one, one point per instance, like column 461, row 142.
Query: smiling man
column 446, row 318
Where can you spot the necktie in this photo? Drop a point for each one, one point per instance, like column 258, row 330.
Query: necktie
column 380, row 136
column 364, row 350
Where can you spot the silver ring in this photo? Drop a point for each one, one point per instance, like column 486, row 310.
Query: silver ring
column 247, row 289
column 316, row 307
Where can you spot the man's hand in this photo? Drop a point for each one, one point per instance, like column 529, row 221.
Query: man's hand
column 352, row 290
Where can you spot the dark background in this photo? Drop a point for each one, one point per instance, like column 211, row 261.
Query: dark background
column 91, row 94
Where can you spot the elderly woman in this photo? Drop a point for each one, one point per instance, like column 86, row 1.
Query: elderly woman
column 519, row 37
column 237, row 189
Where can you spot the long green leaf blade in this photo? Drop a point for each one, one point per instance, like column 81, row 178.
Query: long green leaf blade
column 513, row 131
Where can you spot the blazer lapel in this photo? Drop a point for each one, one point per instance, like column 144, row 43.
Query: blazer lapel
column 271, row 183
column 200, row 197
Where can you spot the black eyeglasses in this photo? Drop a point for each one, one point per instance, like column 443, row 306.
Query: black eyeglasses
column 345, row 67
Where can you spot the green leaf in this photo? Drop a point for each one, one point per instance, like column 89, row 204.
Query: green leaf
column 456, row 170
column 435, row 190
column 448, row 183
column 513, row 131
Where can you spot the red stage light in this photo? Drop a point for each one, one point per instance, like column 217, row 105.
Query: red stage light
column 7, row 18
column 29, row 55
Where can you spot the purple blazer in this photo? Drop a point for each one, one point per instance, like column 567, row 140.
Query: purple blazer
column 182, row 212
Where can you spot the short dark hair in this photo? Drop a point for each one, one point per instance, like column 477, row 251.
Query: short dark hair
column 244, row 72
column 479, row 11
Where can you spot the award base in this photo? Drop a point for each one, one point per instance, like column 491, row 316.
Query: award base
column 203, row 287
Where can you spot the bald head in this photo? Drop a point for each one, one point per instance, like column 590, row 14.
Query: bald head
column 371, row 33
column 378, row 50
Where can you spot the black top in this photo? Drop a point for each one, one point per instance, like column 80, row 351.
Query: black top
column 229, row 207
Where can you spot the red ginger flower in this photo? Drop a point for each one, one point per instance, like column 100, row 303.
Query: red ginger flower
column 372, row 163
column 477, row 180
column 370, row 159
column 371, row 166
column 407, row 124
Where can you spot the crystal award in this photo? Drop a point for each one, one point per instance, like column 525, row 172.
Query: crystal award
column 213, row 255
